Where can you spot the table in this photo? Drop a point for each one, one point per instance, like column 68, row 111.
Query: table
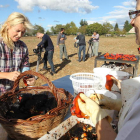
column 64, row 83
column 102, row 58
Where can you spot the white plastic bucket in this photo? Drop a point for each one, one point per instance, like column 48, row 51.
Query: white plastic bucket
column 120, row 75
column 102, row 71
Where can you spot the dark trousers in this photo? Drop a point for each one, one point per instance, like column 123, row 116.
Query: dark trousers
column 48, row 56
column 82, row 48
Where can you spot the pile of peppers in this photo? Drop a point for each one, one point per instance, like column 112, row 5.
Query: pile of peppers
column 126, row 57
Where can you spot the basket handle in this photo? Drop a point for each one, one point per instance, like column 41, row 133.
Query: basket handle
column 30, row 72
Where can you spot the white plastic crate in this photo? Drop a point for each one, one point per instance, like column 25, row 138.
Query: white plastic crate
column 83, row 82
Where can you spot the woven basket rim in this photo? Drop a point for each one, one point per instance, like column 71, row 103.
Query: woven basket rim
column 37, row 118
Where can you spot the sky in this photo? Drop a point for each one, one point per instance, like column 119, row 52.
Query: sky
column 47, row 13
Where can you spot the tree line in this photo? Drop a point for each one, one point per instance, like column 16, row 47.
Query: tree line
column 72, row 29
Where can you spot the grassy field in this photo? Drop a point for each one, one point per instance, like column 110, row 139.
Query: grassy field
column 125, row 45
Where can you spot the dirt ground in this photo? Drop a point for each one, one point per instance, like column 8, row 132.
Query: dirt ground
column 125, row 45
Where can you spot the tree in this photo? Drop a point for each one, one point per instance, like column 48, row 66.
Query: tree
column 123, row 32
column 117, row 32
column 53, row 30
column 116, row 27
column 28, row 33
column 127, row 26
column 107, row 27
column 70, row 28
column 95, row 27
column 83, row 22
column 48, row 32
column 56, row 29
column 82, row 29
column 38, row 28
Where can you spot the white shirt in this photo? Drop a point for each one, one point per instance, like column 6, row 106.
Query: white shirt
column 130, row 124
column 77, row 41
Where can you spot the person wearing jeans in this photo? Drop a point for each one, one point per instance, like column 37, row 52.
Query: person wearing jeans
column 61, row 44
column 49, row 50
column 63, row 49
column 48, row 56
column 82, row 46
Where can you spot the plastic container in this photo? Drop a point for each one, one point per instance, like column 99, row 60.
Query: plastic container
column 83, row 82
column 120, row 75
column 102, row 71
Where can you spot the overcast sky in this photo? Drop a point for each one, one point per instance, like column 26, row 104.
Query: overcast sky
column 48, row 13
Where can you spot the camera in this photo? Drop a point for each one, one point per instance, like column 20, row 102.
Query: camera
column 90, row 42
column 38, row 50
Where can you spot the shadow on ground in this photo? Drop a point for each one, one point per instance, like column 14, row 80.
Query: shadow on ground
column 87, row 55
column 62, row 65
column 71, row 55
column 35, row 63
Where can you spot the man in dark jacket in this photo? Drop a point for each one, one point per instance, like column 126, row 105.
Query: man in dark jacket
column 82, row 46
column 49, row 50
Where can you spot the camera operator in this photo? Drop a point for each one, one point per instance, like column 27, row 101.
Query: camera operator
column 95, row 45
column 49, row 50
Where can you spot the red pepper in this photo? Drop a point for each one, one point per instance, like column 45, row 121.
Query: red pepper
column 20, row 98
column 25, row 79
column 109, row 82
column 25, row 82
column 75, row 110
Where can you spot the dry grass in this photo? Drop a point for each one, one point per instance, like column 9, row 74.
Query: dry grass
column 124, row 45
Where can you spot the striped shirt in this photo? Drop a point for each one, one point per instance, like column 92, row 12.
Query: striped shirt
column 96, row 39
column 12, row 60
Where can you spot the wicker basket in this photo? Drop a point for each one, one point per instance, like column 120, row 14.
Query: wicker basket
column 36, row 126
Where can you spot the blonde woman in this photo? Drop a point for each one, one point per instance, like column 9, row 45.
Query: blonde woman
column 13, row 52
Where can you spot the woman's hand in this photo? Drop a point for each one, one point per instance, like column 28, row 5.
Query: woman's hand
column 12, row 75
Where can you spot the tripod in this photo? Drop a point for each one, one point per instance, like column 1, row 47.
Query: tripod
column 90, row 47
column 39, row 58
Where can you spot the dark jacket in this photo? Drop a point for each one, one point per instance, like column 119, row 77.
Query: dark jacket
column 46, row 43
column 81, row 39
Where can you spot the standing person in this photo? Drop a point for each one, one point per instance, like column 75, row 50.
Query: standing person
column 130, row 125
column 82, row 46
column 13, row 52
column 61, row 44
column 95, row 45
column 49, row 50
